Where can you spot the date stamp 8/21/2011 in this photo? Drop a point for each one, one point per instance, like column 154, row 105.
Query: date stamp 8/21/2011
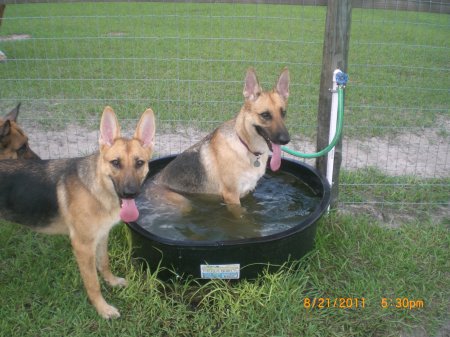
column 337, row 302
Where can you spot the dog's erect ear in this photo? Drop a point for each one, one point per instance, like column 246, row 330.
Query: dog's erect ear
column 5, row 129
column 282, row 87
column 109, row 127
column 145, row 130
column 252, row 89
column 12, row 115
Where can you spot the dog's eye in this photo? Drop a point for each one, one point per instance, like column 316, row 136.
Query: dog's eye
column 22, row 149
column 266, row 116
column 115, row 163
column 283, row 113
column 139, row 163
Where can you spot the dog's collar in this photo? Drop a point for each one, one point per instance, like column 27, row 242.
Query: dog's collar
column 256, row 163
column 256, row 154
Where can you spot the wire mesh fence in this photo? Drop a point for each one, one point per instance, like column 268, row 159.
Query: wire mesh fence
column 401, row 131
column 66, row 61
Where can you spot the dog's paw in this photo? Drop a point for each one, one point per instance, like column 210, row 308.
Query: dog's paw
column 237, row 210
column 108, row 311
column 117, row 282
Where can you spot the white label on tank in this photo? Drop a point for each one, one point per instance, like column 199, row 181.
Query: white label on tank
column 220, row 271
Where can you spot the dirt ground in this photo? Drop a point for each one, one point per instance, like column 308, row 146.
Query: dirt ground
column 425, row 153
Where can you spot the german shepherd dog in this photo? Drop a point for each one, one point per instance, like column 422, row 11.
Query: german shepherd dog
column 13, row 141
column 83, row 197
column 230, row 161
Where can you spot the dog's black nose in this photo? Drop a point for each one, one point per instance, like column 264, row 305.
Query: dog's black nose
column 283, row 138
column 129, row 191
column 128, row 195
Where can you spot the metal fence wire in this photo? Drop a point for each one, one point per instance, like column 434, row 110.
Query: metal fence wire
column 65, row 61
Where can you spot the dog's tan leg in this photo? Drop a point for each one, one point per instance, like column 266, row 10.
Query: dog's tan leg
column 233, row 202
column 103, row 264
column 85, row 254
column 231, row 196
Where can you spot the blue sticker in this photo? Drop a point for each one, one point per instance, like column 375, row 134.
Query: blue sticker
column 220, row 271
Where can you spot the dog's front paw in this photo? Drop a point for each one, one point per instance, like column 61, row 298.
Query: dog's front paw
column 237, row 210
column 117, row 282
column 108, row 311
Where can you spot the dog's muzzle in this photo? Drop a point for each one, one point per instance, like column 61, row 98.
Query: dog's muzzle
column 281, row 138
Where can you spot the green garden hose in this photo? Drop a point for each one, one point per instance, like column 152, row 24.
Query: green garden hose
column 341, row 81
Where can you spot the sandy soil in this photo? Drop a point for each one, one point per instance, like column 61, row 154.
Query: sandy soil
column 425, row 153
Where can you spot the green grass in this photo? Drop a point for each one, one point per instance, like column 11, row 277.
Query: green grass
column 409, row 195
column 42, row 292
column 188, row 61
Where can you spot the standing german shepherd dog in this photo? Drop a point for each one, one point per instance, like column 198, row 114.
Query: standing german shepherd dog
column 83, row 197
column 230, row 161
column 13, row 141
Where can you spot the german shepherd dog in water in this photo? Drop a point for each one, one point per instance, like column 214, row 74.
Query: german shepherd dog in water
column 13, row 141
column 83, row 197
column 230, row 161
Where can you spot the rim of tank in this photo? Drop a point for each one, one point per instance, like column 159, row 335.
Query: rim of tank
column 302, row 225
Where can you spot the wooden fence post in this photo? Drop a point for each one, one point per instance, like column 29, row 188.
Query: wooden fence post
column 335, row 55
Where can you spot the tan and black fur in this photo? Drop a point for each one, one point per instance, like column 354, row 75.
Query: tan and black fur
column 13, row 141
column 81, row 197
column 225, row 162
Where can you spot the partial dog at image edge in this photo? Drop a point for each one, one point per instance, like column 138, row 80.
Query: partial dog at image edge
column 83, row 197
column 13, row 141
column 229, row 161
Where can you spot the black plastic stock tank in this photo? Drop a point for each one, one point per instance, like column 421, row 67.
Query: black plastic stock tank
column 240, row 257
